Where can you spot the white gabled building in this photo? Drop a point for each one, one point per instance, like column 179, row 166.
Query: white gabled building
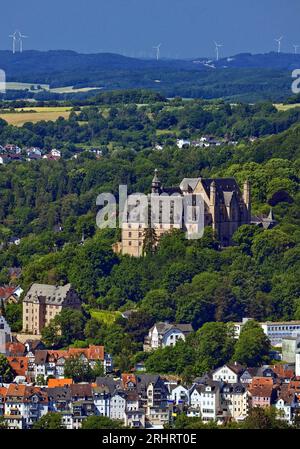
column 117, row 406
column 180, row 395
column 205, row 401
column 165, row 334
column 228, row 373
column 101, row 396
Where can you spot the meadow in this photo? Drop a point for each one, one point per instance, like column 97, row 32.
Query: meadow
column 105, row 316
column 35, row 114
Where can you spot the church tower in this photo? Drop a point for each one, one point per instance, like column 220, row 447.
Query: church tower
column 156, row 184
column 213, row 204
column 247, row 199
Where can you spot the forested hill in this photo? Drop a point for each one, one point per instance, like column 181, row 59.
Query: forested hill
column 272, row 60
column 244, row 77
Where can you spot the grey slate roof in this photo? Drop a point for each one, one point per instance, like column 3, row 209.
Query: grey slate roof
column 53, row 294
column 108, row 382
column 162, row 328
column 57, row 394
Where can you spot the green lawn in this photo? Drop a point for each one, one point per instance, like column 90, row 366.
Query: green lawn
column 105, row 316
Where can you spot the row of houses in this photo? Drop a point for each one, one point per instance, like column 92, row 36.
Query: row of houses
column 153, row 401
column 31, row 362
column 10, row 153
column 204, row 142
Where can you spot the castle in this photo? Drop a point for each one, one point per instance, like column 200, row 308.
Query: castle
column 43, row 302
column 225, row 209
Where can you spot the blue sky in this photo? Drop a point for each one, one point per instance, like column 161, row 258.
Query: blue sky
column 186, row 28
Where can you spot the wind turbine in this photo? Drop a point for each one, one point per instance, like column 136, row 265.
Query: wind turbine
column 217, row 49
column 279, row 43
column 17, row 38
column 157, row 48
column 296, row 48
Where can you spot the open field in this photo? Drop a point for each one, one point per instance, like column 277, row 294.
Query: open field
column 33, row 87
column 72, row 90
column 27, row 86
column 48, row 114
column 286, row 107
column 105, row 316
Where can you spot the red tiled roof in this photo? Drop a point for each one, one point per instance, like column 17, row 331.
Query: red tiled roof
column 284, row 371
column 262, row 382
column 96, row 353
column 30, row 391
column 15, row 349
column 52, row 383
column 3, row 392
column 24, row 392
column 265, row 391
column 19, row 365
column 6, row 292
column 16, row 390
column 126, row 378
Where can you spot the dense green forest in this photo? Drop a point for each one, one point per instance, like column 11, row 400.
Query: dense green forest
column 187, row 281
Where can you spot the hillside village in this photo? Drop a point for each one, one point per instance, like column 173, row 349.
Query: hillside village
column 138, row 399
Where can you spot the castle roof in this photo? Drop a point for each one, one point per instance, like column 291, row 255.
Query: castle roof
column 52, row 294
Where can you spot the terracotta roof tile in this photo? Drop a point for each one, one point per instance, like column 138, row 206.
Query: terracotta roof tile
column 52, row 383
column 19, row 365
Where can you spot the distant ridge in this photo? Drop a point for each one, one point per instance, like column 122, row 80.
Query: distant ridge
column 244, row 76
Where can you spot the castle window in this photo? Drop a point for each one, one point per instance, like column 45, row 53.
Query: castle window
column 129, row 243
column 129, row 234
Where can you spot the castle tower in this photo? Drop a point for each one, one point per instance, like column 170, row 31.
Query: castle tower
column 156, row 184
column 247, row 198
column 213, row 203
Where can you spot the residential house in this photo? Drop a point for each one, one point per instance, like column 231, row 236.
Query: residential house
column 5, row 335
column 102, row 397
column 19, row 366
column 135, row 419
column 234, row 401
column 287, row 403
column 205, row 401
column 10, row 294
column 183, row 143
column 24, row 405
column 153, row 394
column 229, row 373
column 82, row 404
column 165, row 334
column 180, row 394
column 118, row 405
column 12, row 149
column 129, row 381
column 262, row 392
column 59, row 399
column 52, row 362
